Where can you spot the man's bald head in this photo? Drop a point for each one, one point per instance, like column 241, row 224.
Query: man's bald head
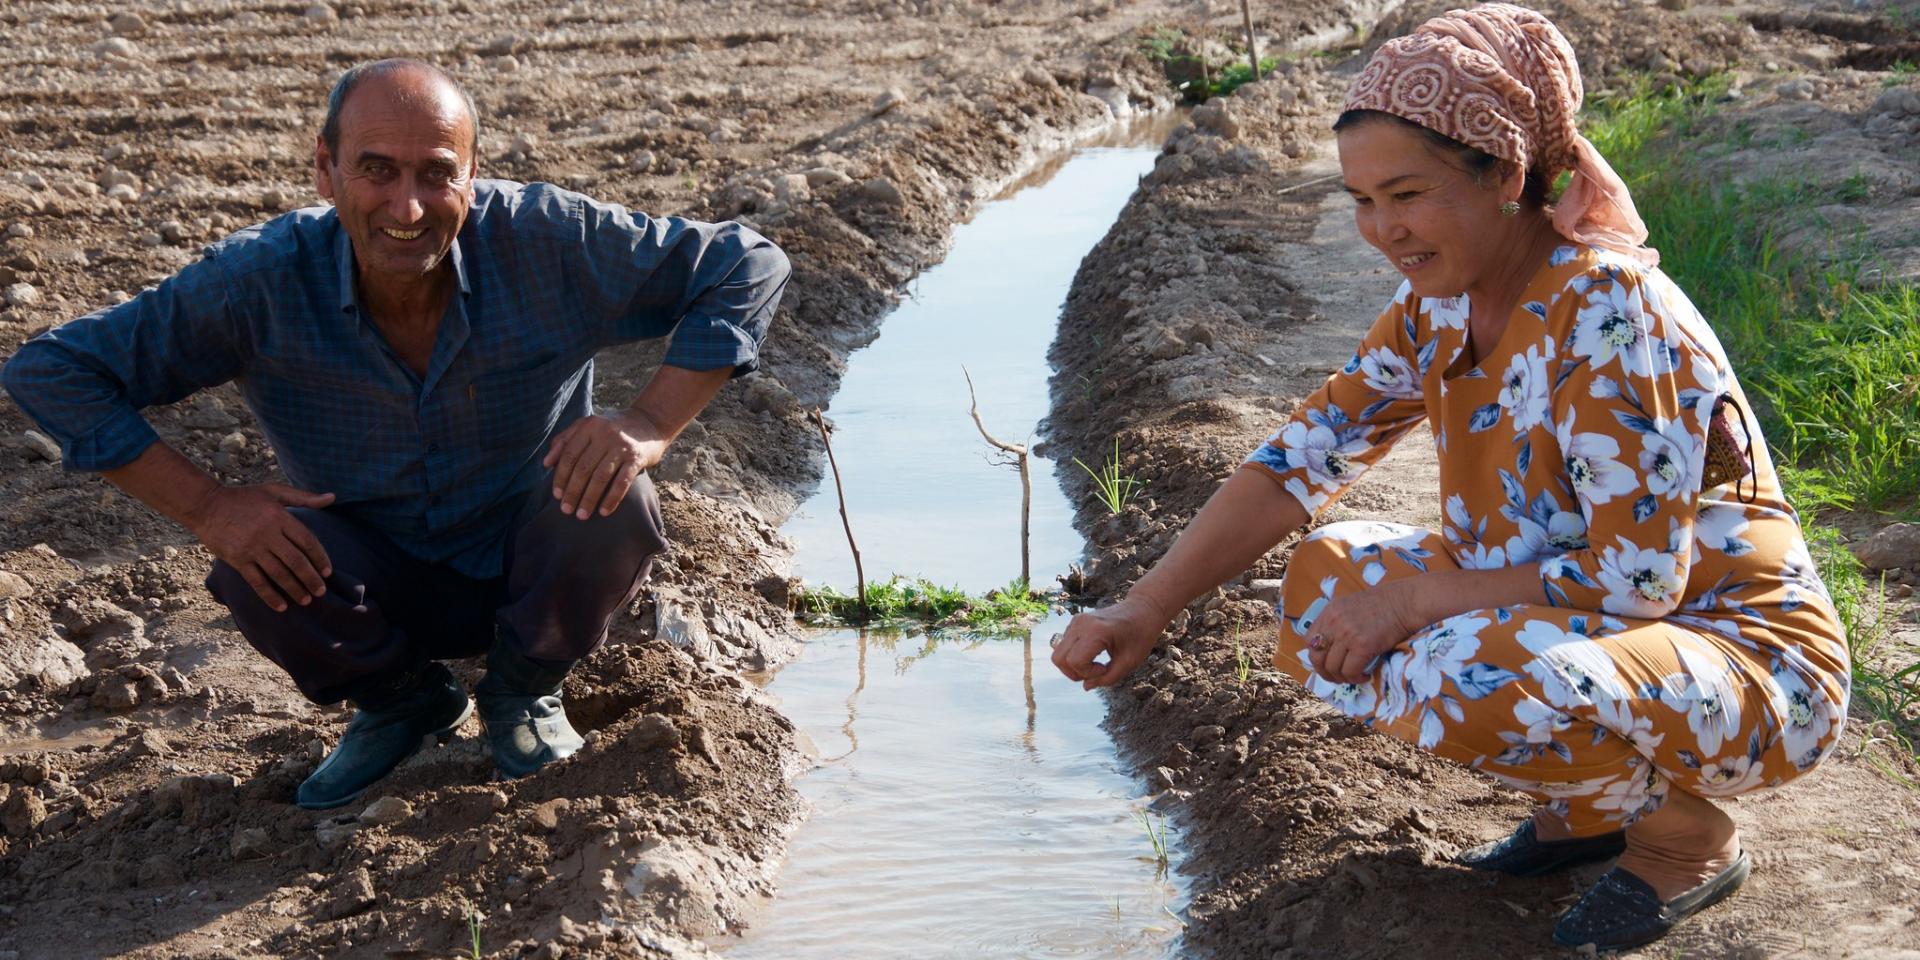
column 410, row 81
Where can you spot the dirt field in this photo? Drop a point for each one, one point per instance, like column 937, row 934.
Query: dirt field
column 148, row 755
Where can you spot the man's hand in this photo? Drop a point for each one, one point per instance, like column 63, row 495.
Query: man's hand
column 1126, row 632
column 595, row 459
column 250, row 528
column 1356, row 628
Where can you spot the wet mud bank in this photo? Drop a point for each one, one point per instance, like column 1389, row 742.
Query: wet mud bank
column 1232, row 285
column 150, row 755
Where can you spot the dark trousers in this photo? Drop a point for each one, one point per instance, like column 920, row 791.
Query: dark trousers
column 385, row 611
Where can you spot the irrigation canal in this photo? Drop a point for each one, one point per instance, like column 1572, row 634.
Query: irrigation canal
column 967, row 802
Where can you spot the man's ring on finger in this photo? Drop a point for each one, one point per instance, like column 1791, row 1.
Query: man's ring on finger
column 1055, row 641
column 1314, row 642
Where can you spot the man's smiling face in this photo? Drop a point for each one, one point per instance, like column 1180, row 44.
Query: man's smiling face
column 402, row 176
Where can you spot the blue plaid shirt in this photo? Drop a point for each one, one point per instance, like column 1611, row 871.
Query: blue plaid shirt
column 439, row 463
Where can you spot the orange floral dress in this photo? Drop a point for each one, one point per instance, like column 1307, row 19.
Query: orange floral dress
column 1682, row 637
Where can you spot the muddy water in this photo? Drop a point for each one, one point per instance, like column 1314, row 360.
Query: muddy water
column 924, row 492
column 18, row 742
column 967, row 803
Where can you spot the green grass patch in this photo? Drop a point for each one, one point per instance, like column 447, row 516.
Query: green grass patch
column 1832, row 365
column 1238, row 74
column 1199, row 81
column 900, row 599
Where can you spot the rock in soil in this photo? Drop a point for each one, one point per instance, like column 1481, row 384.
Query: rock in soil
column 1894, row 546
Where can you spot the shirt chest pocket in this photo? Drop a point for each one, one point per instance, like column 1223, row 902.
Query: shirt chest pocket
column 516, row 409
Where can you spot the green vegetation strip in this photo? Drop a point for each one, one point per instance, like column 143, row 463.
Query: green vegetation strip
column 1197, row 78
column 1832, row 363
column 901, row 599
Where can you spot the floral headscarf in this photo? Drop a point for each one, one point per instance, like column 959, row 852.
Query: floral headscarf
column 1502, row 79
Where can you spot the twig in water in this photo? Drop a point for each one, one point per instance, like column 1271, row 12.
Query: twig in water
column 859, row 573
column 1019, row 452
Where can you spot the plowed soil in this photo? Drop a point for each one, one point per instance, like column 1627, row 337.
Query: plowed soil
column 148, row 755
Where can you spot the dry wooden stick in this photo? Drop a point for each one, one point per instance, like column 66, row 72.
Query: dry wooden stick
column 1206, row 78
column 859, row 573
column 1253, row 50
column 1304, row 185
column 1019, row 452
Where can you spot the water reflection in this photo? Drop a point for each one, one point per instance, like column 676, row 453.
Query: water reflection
column 966, row 805
column 889, row 640
column 924, row 492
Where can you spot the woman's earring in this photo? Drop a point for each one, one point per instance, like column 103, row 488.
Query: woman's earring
column 1510, row 209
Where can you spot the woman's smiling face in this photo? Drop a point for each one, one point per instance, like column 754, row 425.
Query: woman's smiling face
column 1434, row 220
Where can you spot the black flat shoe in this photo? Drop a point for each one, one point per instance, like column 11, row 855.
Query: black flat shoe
column 1523, row 854
column 1622, row 911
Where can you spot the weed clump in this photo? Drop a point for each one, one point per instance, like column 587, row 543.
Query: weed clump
column 1185, row 63
column 918, row 599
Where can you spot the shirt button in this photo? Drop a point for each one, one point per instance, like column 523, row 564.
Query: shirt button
column 433, row 448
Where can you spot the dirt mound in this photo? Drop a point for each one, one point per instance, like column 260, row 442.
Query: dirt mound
column 128, row 784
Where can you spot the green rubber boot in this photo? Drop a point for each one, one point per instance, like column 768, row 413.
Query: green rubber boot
column 391, row 722
column 520, row 706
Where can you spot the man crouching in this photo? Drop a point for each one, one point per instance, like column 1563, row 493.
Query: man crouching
column 420, row 358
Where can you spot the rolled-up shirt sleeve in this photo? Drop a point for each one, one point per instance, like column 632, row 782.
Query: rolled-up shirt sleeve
column 714, row 285
column 85, row 382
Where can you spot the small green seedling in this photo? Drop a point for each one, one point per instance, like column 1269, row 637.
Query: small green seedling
column 1156, row 828
column 1113, row 487
column 1243, row 664
column 473, row 928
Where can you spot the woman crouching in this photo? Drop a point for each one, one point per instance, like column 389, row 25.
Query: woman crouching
column 1619, row 615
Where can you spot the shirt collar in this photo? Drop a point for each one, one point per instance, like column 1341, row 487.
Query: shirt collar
column 343, row 256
